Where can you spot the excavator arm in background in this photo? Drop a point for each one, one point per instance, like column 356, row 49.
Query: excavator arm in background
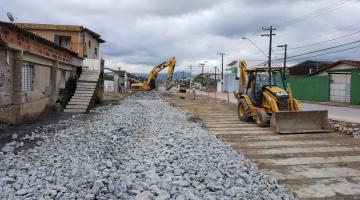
column 243, row 79
column 148, row 85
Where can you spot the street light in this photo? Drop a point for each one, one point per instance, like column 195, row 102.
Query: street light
column 244, row 38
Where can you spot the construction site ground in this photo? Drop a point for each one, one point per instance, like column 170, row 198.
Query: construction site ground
column 313, row 166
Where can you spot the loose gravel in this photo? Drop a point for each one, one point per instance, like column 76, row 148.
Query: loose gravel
column 142, row 149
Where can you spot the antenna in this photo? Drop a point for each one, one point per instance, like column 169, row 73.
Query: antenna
column 10, row 16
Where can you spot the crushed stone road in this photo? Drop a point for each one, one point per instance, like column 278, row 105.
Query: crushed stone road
column 141, row 149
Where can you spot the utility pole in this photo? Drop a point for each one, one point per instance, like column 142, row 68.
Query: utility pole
column 285, row 56
column 190, row 77
column 183, row 75
column 202, row 72
column 215, row 74
column 271, row 29
column 222, row 64
column 202, row 67
column 285, row 52
column 222, row 69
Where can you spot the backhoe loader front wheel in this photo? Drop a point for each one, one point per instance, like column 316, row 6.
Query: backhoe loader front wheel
column 262, row 119
column 244, row 111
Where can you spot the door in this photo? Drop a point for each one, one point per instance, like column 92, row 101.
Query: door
column 340, row 87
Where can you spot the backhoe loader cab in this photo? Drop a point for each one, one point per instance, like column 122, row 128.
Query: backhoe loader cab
column 264, row 97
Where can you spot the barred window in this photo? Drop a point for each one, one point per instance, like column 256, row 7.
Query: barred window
column 27, row 77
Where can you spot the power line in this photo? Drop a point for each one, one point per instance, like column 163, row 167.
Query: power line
column 313, row 12
column 327, row 53
column 325, row 49
column 356, row 26
column 325, row 41
column 332, row 7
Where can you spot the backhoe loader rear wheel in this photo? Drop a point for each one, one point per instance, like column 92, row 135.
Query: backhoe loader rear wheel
column 262, row 119
column 244, row 111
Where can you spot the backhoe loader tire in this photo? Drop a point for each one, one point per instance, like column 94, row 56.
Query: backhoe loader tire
column 244, row 112
column 262, row 119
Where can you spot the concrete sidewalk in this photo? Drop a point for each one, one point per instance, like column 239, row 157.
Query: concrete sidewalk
column 348, row 114
column 336, row 112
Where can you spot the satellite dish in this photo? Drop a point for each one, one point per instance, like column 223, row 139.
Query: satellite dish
column 10, row 16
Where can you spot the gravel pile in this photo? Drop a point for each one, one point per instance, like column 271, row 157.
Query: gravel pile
column 141, row 149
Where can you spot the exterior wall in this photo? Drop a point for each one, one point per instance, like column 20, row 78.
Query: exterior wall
column 77, row 38
column 90, row 50
column 38, row 100
column 230, row 83
column 18, row 40
column 7, row 107
column 79, row 41
column 17, row 106
column 109, row 86
column 355, row 87
column 19, row 47
column 6, row 79
column 10, row 85
column 315, row 88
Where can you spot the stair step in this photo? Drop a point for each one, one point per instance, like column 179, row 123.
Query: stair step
column 90, row 71
column 86, row 80
column 90, row 88
column 71, row 110
column 84, row 91
column 86, row 84
column 89, row 77
column 81, row 97
column 77, row 106
column 79, row 103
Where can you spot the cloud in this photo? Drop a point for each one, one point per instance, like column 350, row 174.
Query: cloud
column 141, row 34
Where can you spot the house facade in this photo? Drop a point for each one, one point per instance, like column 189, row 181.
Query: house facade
column 33, row 72
column 116, row 81
column 79, row 39
column 337, row 82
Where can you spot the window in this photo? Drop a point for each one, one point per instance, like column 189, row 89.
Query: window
column 89, row 43
column 64, row 41
column 96, row 52
column 62, row 79
column 27, row 77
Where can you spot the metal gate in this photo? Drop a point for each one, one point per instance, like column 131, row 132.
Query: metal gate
column 340, row 87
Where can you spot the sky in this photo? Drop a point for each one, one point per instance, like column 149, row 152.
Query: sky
column 140, row 34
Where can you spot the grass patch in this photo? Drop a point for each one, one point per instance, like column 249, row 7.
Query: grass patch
column 114, row 98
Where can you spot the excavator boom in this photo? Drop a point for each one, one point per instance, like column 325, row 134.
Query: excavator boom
column 148, row 85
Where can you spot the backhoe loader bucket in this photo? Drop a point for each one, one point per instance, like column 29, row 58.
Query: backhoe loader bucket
column 300, row 122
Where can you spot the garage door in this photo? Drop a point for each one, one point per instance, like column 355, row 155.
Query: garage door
column 340, row 87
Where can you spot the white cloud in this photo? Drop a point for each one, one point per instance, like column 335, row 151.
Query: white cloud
column 142, row 33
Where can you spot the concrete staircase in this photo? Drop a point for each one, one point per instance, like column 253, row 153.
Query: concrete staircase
column 85, row 89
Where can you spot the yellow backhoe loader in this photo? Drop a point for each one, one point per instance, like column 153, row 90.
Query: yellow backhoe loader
column 151, row 79
column 263, row 96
